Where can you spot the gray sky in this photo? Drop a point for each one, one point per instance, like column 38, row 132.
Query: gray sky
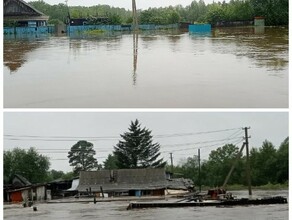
column 176, row 132
column 141, row 4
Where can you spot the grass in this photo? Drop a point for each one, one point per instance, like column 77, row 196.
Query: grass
column 269, row 186
column 93, row 32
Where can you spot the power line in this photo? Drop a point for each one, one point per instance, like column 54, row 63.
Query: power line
column 74, row 138
column 206, row 146
column 218, row 141
column 202, row 142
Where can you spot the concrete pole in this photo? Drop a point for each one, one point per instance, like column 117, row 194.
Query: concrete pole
column 135, row 18
column 247, row 161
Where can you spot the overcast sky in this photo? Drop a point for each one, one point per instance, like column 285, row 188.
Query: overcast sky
column 141, row 4
column 56, row 133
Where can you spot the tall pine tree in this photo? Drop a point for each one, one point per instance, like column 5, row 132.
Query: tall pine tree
column 137, row 150
column 81, row 156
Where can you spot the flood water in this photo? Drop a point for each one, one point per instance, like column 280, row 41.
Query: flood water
column 117, row 210
column 229, row 68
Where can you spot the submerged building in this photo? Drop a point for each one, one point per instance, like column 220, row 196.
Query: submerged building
column 21, row 14
column 20, row 18
column 130, row 182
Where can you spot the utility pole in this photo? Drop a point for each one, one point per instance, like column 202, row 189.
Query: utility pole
column 199, row 160
column 247, row 161
column 171, row 161
column 233, row 166
column 135, row 17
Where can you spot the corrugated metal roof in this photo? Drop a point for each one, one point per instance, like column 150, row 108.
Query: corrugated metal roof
column 122, row 180
column 74, row 186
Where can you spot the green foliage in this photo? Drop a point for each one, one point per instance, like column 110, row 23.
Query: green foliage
column 263, row 162
column 282, row 166
column 56, row 12
column 188, row 168
column 81, row 157
column 115, row 19
column 137, row 150
column 28, row 163
column 269, row 167
column 219, row 163
column 55, row 174
column 196, row 12
column 69, row 176
column 274, row 11
column 110, row 163
column 55, row 21
column 215, row 13
column 61, row 12
column 95, row 32
column 159, row 16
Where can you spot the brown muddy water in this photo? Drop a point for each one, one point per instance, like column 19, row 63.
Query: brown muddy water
column 229, row 68
column 117, row 210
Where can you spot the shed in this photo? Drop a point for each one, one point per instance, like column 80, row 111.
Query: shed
column 22, row 190
column 132, row 182
column 58, row 187
column 21, row 14
column 28, row 193
column 259, row 21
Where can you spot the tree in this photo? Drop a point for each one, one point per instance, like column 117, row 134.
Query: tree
column 219, row 164
column 190, row 169
column 264, row 164
column 28, row 163
column 276, row 12
column 55, row 174
column 110, row 163
column 81, row 157
column 282, row 164
column 137, row 149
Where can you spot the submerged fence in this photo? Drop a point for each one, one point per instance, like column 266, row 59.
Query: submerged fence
column 76, row 29
column 28, row 30
column 200, row 28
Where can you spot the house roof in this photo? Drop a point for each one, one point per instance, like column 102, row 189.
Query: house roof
column 180, row 183
column 122, row 180
column 19, row 8
column 19, row 180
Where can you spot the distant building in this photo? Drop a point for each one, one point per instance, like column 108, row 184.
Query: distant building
column 21, row 14
column 57, row 188
column 129, row 182
column 21, row 190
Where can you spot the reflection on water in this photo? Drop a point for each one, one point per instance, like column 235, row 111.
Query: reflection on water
column 135, row 56
column 15, row 52
column 264, row 46
column 176, row 69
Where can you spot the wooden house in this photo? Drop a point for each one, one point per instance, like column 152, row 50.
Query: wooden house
column 21, row 190
column 128, row 182
column 21, row 14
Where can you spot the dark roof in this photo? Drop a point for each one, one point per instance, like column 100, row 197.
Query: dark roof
column 180, row 183
column 19, row 8
column 122, row 180
column 19, row 181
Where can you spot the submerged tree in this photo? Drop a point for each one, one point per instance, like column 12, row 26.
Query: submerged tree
column 137, row 149
column 81, row 156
